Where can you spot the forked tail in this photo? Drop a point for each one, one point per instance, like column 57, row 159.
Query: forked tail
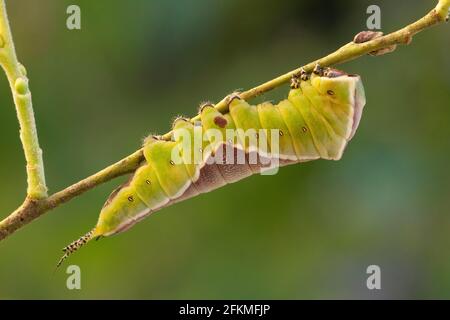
column 74, row 246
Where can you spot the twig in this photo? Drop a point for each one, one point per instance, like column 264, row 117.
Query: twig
column 18, row 82
column 33, row 208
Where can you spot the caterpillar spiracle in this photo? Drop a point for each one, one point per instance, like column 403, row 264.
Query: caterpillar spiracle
column 317, row 120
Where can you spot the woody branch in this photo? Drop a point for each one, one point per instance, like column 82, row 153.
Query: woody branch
column 36, row 204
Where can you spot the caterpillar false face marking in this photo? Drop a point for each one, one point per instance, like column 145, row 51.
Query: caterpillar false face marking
column 319, row 117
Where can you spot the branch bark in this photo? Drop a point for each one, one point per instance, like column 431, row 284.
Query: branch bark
column 33, row 208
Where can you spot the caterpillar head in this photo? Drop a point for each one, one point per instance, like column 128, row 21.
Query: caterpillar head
column 341, row 86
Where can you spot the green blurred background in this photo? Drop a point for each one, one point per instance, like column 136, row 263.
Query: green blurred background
column 308, row 232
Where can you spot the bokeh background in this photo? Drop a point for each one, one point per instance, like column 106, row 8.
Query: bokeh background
column 308, row 232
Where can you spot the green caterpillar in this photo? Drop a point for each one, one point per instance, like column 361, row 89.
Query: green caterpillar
column 319, row 117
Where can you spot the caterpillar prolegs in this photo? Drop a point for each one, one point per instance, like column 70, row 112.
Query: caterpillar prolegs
column 319, row 117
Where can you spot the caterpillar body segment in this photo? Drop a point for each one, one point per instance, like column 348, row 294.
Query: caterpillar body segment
column 183, row 131
column 299, row 131
column 246, row 118
column 319, row 117
column 271, row 118
column 174, row 179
